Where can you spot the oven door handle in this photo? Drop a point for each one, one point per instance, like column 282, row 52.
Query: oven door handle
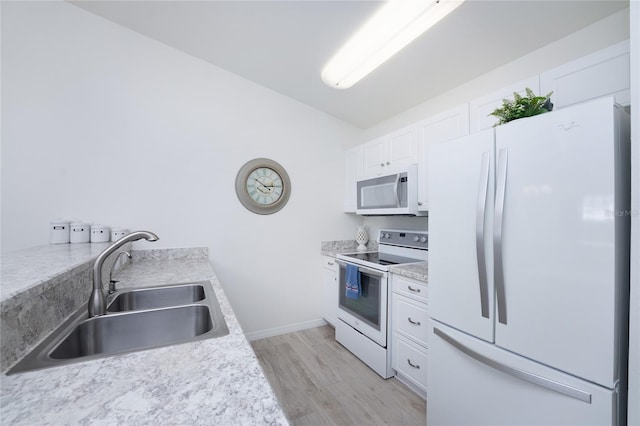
column 368, row 270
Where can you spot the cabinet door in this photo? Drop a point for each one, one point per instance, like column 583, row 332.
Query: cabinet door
column 410, row 361
column 600, row 74
column 410, row 319
column 480, row 108
column 374, row 157
column 330, row 282
column 445, row 126
column 460, row 217
column 402, row 148
column 353, row 169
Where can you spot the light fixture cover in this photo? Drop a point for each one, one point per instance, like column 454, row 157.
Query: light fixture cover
column 396, row 24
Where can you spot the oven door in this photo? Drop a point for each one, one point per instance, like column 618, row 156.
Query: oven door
column 367, row 313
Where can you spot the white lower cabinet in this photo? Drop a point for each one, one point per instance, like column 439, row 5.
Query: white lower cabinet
column 409, row 316
column 330, row 289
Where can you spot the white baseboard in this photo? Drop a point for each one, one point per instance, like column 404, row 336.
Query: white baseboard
column 408, row 383
column 276, row 331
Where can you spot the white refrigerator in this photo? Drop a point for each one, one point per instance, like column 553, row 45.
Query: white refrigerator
column 529, row 271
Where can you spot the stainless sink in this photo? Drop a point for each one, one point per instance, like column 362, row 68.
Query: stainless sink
column 81, row 338
column 157, row 297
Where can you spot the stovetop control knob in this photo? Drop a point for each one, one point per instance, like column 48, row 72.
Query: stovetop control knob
column 387, row 235
column 423, row 239
column 416, row 238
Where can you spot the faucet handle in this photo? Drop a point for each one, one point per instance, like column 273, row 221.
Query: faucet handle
column 112, row 286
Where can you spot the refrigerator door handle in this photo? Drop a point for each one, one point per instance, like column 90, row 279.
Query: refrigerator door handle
column 497, row 236
column 480, row 219
column 515, row 372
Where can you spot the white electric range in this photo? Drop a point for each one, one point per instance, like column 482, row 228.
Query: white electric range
column 363, row 321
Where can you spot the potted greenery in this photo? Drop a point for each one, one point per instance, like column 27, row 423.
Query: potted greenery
column 522, row 106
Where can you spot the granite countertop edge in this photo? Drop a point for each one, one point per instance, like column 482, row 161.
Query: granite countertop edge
column 214, row 381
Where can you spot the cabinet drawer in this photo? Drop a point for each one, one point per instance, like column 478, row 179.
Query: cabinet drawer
column 410, row 319
column 329, row 263
column 411, row 288
column 410, row 361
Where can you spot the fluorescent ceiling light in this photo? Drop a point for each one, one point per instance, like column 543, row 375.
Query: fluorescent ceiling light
column 396, row 24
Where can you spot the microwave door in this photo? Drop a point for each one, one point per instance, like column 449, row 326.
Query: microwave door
column 381, row 192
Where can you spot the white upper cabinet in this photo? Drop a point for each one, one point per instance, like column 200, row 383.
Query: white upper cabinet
column 445, row 126
column 603, row 73
column 480, row 108
column 353, row 169
column 391, row 151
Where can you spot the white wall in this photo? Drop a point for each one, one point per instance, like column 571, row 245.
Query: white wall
column 597, row 36
column 103, row 124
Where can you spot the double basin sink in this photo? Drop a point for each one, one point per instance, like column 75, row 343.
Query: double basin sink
column 136, row 319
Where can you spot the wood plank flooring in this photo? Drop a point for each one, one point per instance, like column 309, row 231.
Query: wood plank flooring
column 319, row 382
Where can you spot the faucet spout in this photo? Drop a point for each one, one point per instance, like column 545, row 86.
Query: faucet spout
column 97, row 300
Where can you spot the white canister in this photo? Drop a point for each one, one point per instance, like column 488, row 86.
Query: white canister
column 117, row 233
column 80, row 232
column 59, row 231
column 100, row 234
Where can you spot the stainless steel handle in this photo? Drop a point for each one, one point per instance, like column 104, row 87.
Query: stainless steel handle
column 412, row 364
column 362, row 268
column 419, row 203
column 330, row 263
column 515, row 372
column 413, row 322
column 415, row 290
column 480, row 219
column 397, row 186
column 498, row 271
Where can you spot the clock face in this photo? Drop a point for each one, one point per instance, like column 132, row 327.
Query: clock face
column 263, row 186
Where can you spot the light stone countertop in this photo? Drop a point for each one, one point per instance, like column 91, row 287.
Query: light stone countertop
column 28, row 268
column 214, row 381
column 417, row 271
column 332, row 248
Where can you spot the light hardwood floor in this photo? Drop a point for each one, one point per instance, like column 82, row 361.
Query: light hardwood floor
column 318, row 382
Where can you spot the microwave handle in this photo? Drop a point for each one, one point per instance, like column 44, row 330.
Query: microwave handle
column 397, row 187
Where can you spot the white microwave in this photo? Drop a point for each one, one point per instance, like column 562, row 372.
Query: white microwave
column 395, row 193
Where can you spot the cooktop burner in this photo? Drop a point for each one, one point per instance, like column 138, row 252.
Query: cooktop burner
column 382, row 258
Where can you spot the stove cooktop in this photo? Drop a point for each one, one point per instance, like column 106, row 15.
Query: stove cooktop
column 384, row 259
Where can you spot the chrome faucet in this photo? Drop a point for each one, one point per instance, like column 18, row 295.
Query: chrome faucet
column 112, row 282
column 97, row 300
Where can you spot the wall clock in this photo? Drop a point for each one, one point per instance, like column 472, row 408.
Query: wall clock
column 263, row 186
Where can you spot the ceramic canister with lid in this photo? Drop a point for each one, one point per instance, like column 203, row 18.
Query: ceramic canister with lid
column 80, row 232
column 117, row 233
column 59, row 231
column 100, row 234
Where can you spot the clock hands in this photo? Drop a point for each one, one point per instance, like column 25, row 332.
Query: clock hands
column 269, row 188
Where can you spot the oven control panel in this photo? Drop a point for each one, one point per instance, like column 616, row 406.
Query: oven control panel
column 402, row 238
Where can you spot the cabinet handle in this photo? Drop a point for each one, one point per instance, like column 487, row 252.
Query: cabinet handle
column 388, row 163
column 416, row 366
column 419, row 203
column 381, row 164
column 330, row 263
column 415, row 290
column 413, row 322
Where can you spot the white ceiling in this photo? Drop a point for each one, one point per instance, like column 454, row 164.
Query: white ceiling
column 283, row 45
